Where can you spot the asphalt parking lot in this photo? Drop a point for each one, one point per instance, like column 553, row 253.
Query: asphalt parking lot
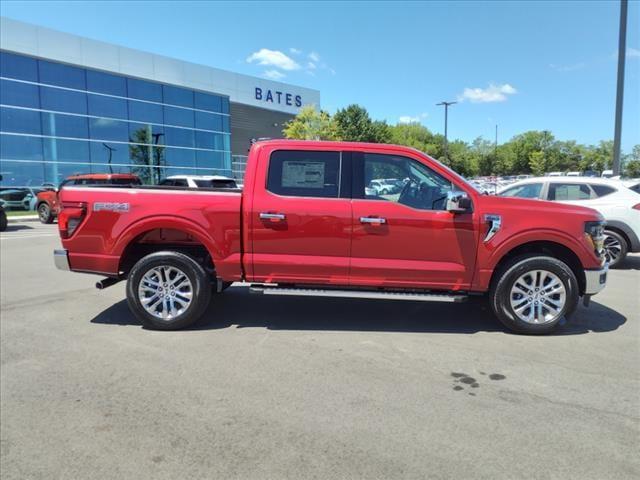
column 271, row 388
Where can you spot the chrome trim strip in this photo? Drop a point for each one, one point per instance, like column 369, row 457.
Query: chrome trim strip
column 61, row 259
column 592, row 277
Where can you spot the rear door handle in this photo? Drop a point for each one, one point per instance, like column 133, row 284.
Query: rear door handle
column 373, row 220
column 276, row 217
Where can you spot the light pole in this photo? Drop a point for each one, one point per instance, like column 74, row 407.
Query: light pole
column 110, row 149
column 446, row 116
column 622, row 51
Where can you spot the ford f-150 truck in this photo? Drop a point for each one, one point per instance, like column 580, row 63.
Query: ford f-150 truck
column 305, row 224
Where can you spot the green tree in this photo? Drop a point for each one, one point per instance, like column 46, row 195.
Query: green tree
column 632, row 169
column 311, row 124
column 537, row 163
column 355, row 125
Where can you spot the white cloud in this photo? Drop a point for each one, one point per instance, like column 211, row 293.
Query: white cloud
column 633, row 52
column 493, row 93
column 314, row 57
column 273, row 58
column 273, row 74
column 568, row 68
column 410, row 119
column 295, row 51
column 311, row 66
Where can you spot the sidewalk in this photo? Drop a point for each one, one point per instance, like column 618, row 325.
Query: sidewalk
column 23, row 218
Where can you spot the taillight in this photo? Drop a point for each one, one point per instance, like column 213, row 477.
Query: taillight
column 636, row 206
column 70, row 216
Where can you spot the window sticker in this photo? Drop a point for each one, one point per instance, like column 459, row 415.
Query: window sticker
column 303, row 174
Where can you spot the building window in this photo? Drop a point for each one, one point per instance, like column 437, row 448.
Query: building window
column 144, row 90
column 105, row 83
column 20, row 94
column 18, row 66
column 18, row 120
column 177, row 96
column 53, row 73
column 103, row 106
column 63, row 100
column 59, row 125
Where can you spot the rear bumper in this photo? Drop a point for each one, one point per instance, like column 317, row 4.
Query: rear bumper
column 61, row 259
column 596, row 280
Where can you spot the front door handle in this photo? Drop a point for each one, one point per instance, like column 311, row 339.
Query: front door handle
column 373, row 220
column 274, row 217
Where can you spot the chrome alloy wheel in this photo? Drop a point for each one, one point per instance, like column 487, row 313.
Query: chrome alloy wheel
column 612, row 248
column 43, row 212
column 165, row 292
column 538, row 297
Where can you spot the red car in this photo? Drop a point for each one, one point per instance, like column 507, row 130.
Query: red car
column 48, row 204
column 305, row 224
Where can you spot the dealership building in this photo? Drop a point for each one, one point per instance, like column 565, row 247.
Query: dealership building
column 72, row 105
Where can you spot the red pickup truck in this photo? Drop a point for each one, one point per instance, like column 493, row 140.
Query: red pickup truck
column 48, row 204
column 306, row 223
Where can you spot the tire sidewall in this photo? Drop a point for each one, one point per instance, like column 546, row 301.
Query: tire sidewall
column 49, row 216
column 194, row 272
column 623, row 247
column 501, row 293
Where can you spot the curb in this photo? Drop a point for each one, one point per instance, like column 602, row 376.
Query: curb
column 26, row 218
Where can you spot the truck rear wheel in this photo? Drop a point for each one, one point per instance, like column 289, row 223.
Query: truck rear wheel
column 534, row 294
column 168, row 290
column 44, row 213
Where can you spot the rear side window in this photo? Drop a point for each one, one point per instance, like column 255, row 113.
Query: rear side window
column 570, row 191
column 216, row 183
column 531, row 190
column 602, row 190
column 304, row 173
column 126, row 181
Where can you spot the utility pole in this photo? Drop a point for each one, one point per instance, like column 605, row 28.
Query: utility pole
column 495, row 149
column 622, row 51
column 446, row 114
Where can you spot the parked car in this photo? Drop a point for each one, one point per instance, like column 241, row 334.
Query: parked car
column 619, row 205
column 383, row 186
column 3, row 216
column 48, row 204
column 304, row 226
column 199, row 181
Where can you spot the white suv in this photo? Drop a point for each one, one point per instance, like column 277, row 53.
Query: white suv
column 199, row 181
column 619, row 206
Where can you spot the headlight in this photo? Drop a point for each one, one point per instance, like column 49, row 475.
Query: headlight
column 594, row 231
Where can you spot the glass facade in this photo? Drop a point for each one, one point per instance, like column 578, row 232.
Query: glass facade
column 58, row 120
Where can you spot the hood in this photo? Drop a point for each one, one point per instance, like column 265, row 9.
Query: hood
column 497, row 204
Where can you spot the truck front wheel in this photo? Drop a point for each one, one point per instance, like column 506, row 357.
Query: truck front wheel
column 168, row 290
column 534, row 294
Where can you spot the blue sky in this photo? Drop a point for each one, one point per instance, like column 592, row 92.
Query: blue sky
column 523, row 66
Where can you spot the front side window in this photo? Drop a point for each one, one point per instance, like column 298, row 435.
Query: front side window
column 405, row 181
column 569, row 191
column 304, row 174
column 530, row 190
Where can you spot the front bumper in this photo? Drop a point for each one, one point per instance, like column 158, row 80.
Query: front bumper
column 61, row 259
column 595, row 280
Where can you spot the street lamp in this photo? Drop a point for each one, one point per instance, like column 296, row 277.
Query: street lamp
column 622, row 51
column 446, row 115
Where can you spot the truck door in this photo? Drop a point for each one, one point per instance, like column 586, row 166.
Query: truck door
column 403, row 236
column 300, row 217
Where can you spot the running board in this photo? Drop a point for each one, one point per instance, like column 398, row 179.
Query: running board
column 378, row 295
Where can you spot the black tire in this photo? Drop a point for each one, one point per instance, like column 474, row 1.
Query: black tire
column 44, row 213
column 500, row 293
column 618, row 242
column 3, row 221
column 201, row 290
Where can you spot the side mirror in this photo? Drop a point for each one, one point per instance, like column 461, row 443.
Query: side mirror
column 458, row 202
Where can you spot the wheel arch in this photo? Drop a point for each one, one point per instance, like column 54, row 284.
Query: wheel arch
column 172, row 234
column 542, row 247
